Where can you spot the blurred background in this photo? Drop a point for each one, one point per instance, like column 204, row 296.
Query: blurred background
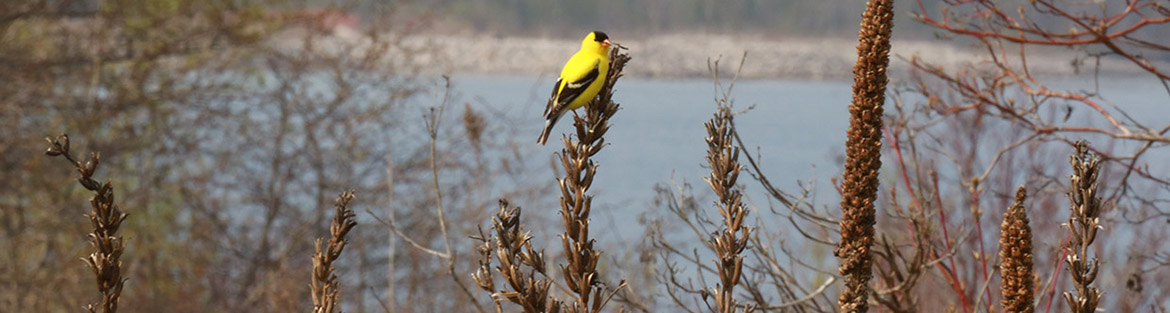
column 229, row 126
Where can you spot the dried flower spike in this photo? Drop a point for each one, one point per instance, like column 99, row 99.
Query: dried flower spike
column 729, row 242
column 1015, row 253
column 519, row 264
column 863, row 154
column 106, row 218
column 1083, row 224
column 580, row 272
column 325, row 287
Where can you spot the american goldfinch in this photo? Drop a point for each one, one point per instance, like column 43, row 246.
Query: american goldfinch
column 581, row 79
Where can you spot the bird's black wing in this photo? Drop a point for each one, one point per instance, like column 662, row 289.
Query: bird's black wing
column 573, row 89
column 552, row 99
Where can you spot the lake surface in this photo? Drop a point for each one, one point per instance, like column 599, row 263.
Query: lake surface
column 658, row 135
column 796, row 127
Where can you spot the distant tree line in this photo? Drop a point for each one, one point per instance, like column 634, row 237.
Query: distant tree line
column 557, row 17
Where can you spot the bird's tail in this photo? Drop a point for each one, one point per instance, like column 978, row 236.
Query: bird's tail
column 548, row 126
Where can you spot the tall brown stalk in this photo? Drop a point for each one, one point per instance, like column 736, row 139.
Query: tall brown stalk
column 1015, row 253
column 729, row 243
column 513, row 245
column 1082, row 229
column 326, row 292
column 581, row 271
column 863, row 154
column 106, row 218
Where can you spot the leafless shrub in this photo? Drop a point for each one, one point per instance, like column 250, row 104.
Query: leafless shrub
column 230, row 125
column 983, row 127
column 899, row 272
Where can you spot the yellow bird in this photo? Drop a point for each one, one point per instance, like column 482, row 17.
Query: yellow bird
column 581, row 79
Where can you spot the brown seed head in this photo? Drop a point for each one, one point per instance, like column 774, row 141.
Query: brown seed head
column 1015, row 253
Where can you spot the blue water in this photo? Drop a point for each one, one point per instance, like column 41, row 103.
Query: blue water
column 796, row 128
column 658, row 136
column 659, row 129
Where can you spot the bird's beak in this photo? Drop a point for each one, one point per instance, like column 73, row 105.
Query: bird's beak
column 606, row 43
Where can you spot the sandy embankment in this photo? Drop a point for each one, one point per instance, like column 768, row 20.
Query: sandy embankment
column 687, row 55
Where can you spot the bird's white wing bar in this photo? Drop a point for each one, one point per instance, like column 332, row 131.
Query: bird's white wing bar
column 581, row 83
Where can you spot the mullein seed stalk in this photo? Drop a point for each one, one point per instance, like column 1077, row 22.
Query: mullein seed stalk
column 1015, row 254
column 863, row 155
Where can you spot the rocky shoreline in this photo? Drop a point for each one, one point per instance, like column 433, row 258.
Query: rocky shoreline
column 687, row 56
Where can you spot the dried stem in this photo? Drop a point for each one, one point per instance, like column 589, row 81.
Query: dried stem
column 106, row 218
column 863, row 154
column 1015, row 254
column 581, row 271
column 1082, row 228
column 432, row 122
column 728, row 243
column 758, row 274
column 432, row 118
column 899, row 273
column 325, row 287
column 513, row 246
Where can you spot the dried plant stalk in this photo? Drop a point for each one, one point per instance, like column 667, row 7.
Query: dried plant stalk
column 898, row 271
column 513, row 246
column 106, row 218
column 1083, row 224
column 863, row 154
column 581, row 271
column 1015, row 253
column 723, row 156
column 325, row 287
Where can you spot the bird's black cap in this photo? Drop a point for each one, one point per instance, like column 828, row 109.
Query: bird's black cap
column 599, row 36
